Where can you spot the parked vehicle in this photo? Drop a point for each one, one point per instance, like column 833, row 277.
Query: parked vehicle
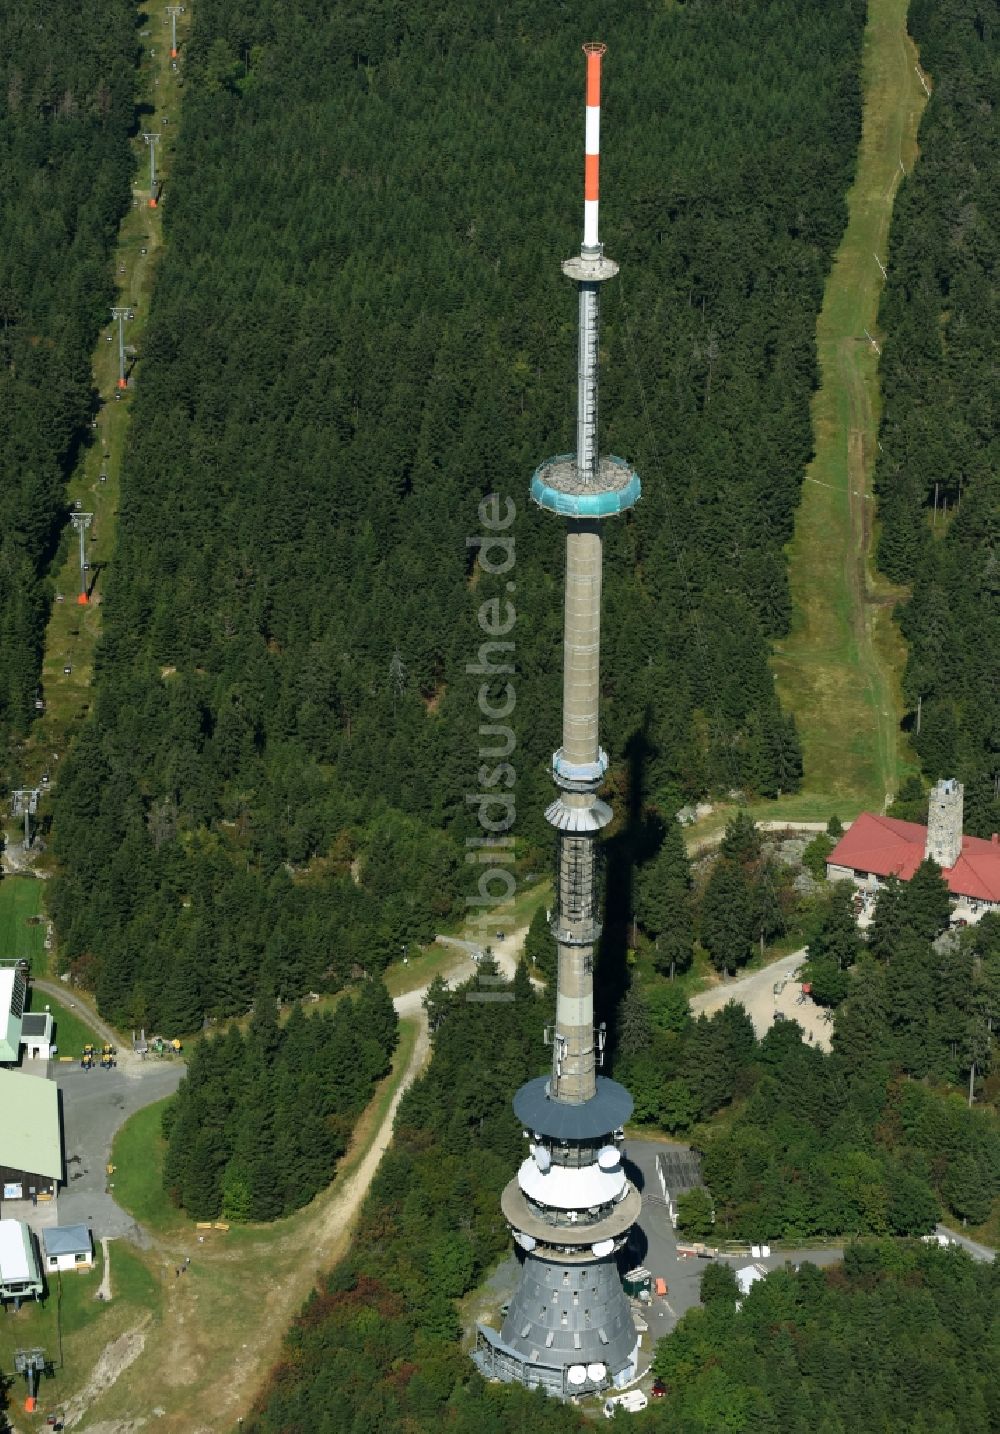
column 631, row 1401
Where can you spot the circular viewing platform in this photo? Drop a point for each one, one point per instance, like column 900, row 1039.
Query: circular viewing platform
column 560, row 1231
column 558, row 486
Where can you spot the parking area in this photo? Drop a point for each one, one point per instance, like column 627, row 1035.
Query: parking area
column 94, row 1105
column 654, row 1244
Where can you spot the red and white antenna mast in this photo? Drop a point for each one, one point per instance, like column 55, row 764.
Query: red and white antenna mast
column 594, row 52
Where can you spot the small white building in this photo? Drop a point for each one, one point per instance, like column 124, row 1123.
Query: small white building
column 36, row 1035
column 68, row 1247
column 746, row 1277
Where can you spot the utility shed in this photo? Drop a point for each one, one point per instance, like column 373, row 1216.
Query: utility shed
column 36, row 1035
column 748, row 1276
column 12, row 990
column 20, row 1275
column 30, row 1137
column 68, row 1247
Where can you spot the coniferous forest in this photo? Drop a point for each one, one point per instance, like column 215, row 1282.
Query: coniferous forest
column 261, row 1120
column 884, row 1341
column 937, row 474
column 841, row 1144
column 66, row 107
column 359, row 329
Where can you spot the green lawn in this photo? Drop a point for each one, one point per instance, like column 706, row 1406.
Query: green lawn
column 137, row 1153
column 839, row 669
column 72, row 1030
column 73, row 1327
column 22, row 923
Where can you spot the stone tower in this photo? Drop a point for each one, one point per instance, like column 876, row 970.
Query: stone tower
column 944, row 822
column 569, row 1328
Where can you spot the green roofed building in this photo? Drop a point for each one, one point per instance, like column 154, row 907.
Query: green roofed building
column 12, row 989
column 31, row 1163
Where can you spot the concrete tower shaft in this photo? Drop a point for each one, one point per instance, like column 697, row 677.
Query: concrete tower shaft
column 582, row 643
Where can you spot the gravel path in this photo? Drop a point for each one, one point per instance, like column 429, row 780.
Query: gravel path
column 756, row 994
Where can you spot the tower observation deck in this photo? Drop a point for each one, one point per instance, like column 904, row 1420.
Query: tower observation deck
column 569, row 1328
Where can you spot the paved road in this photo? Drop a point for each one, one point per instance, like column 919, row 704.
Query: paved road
column 655, row 1245
column 978, row 1252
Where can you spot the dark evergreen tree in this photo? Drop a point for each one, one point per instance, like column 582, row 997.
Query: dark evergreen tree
column 663, row 902
column 727, row 916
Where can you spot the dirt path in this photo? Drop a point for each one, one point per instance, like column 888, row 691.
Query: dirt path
column 315, row 1247
column 839, row 668
column 116, row 1357
column 225, row 1317
column 228, row 1301
column 104, row 1292
column 70, row 998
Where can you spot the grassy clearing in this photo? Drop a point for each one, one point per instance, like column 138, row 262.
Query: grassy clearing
column 137, row 1153
column 224, row 1319
column 839, row 668
column 22, row 923
column 426, row 962
column 73, row 1327
column 73, row 628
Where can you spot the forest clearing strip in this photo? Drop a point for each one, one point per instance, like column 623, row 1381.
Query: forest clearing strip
column 839, row 669
column 74, row 627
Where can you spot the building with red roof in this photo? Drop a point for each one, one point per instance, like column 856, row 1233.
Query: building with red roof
column 877, row 847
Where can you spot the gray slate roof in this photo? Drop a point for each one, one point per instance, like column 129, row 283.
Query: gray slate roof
column 67, row 1240
column 607, row 1111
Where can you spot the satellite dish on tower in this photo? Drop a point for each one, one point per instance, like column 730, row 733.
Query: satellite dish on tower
column 603, row 1247
column 543, row 1158
column 576, row 1374
column 609, row 1158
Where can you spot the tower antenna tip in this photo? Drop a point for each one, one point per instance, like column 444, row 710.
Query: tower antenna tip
column 594, row 47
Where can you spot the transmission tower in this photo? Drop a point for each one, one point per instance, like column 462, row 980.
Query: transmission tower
column 173, row 11
column 121, row 314
column 569, row 1328
column 81, row 522
column 152, row 140
column 26, row 804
